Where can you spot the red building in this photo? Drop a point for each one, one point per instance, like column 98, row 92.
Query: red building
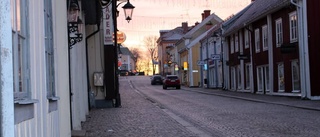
column 271, row 48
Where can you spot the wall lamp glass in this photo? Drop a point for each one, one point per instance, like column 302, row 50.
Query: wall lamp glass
column 128, row 10
column 74, row 22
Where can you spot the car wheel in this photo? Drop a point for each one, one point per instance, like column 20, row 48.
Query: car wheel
column 178, row 87
column 164, row 87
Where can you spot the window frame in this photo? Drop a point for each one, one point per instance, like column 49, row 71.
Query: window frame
column 257, row 40
column 279, row 32
column 294, row 84
column 231, row 44
column 239, row 82
column 265, row 37
column 21, row 51
column 293, row 24
column 49, row 51
column 281, row 78
column 248, row 76
column 246, row 39
column 260, row 79
column 236, row 43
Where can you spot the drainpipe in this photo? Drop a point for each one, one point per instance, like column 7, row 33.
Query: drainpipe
column 201, row 67
column 87, row 63
column 208, row 82
column 6, row 67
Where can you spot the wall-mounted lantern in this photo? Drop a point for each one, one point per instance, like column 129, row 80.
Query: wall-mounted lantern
column 74, row 22
column 128, row 10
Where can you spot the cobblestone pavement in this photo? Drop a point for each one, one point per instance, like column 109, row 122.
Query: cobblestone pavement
column 225, row 113
column 137, row 117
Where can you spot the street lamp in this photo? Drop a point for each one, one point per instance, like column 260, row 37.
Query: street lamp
column 128, row 9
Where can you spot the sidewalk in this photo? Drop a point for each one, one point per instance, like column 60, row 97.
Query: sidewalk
column 296, row 102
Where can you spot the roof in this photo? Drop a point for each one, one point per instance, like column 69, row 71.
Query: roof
column 125, row 51
column 228, row 23
column 203, row 23
column 201, row 36
column 257, row 10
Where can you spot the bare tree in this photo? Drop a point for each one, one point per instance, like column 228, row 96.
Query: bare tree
column 150, row 42
column 136, row 55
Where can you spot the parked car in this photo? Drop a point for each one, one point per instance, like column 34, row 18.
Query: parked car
column 171, row 81
column 156, row 79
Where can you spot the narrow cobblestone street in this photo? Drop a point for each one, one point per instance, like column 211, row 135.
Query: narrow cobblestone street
column 150, row 111
column 137, row 117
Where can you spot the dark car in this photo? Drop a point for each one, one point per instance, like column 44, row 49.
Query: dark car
column 156, row 79
column 171, row 81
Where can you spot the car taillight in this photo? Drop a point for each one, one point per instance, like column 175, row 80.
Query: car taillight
column 178, row 80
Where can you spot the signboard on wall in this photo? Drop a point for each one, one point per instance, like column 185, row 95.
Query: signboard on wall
column 185, row 65
column 108, row 25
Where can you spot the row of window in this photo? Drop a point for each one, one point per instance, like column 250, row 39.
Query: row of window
column 263, row 80
column 21, row 49
column 236, row 40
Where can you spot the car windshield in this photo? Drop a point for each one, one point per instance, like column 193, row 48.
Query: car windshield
column 172, row 77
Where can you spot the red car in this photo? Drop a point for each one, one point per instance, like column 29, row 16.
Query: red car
column 171, row 81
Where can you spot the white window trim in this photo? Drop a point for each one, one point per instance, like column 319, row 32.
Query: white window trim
column 265, row 37
column 257, row 40
column 49, row 51
column 239, row 82
column 279, row 32
column 260, row 87
column 293, row 34
column 236, row 43
column 232, row 44
column 280, row 65
column 266, row 75
column 246, row 39
column 292, row 75
column 248, row 76
column 21, row 54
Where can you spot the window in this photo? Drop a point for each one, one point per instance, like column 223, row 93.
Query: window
column 236, row 43
column 260, row 78
column 49, row 54
column 295, row 76
column 248, row 75
column 232, row 44
column 241, row 41
column 246, row 39
column 281, row 79
column 265, row 37
column 293, row 26
column 279, row 37
column 239, row 77
column 233, row 78
column 257, row 39
column 266, row 78
column 20, row 49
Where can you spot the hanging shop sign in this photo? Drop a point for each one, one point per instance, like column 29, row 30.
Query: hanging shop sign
column 108, row 25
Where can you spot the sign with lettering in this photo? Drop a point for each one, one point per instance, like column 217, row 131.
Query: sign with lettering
column 108, row 25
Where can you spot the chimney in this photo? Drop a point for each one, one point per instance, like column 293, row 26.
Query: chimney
column 162, row 32
column 202, row 15
column 206, row 13
column 185, row 27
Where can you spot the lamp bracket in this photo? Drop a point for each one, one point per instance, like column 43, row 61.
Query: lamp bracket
column 75, row 39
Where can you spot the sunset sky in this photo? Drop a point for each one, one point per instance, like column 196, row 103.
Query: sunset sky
column 150, row 16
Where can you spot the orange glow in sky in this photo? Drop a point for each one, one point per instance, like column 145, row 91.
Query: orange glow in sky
column 151, row 16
